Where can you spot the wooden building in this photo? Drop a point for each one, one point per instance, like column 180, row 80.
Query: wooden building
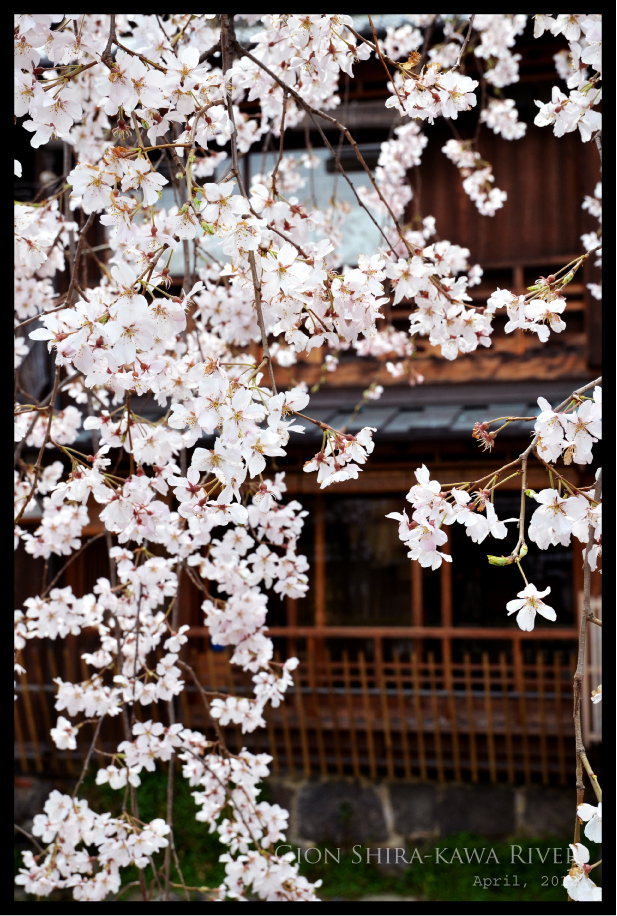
column 404, row 671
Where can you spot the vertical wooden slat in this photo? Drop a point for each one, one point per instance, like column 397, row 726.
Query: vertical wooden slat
column 417, row 604
column 316, row 714
column 306, row 760
column 214, row 685
column 19, row 735
column 286, row 730
column 368, row 718
column 561, row 751
column 506, row 715
column 35, row 656
column 53, row 670
column 519, row 671
column 519, row 338
column 350, row 712
column 233, row 691
column 85, row 676
column 471, row 727
column 272, row 748
column 320, row 574
column 402, row 716
column 291, row 607
column 542, row 704
column 446, row 653
column 417, row 699
column 31, row 723
column 335, row 726
column 490, row 739
column 382, row 683
column 436, row 723
column 449, row 685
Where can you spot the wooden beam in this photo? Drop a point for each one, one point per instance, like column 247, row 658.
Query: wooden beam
column 514, row 633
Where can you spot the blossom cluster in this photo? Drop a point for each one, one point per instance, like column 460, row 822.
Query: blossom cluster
column 477, row 174
column 148, row 114
column 564, row 112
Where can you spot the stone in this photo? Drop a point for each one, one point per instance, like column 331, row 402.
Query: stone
column 342, row 812
column 488, row 810
column 549, row 811
column 414, row 808
column 29, row 796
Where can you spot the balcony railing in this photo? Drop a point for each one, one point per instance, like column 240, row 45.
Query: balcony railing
column 363, row 703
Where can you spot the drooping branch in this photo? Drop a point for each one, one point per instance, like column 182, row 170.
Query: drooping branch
column 228, row 45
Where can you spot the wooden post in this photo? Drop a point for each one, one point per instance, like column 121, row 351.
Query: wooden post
column 561, row 752
column 471, row 727
column 53, row 670
column 446, row 654
column 286, row 731
column 317, row 646
column 435, row 710
column 506, row 715
column 306, row 760
column 418, row 710
column 402, row 716
column 20, row 738
column 25, row 692
column 291, row 607
column 489, row 717
column 333, row 713
column 40, row 681
column 417, row 604
column 368, row 718
column 382, row 682
column 315, row 707
column 272, row 749
column 350, row 713
column 519, row 673
column 542, row 704
column 237, row 729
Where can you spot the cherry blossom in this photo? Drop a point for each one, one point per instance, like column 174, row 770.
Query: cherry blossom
column 528, row 604
column 265, row 275
column 593, row 818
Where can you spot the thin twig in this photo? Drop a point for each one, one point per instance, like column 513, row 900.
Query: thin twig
column 385, row 66
column 39, row 460
column 71, row 560
column 88, row 756
column 465, row 43
column 228, row 43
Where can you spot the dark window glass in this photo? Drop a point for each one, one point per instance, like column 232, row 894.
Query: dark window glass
column 480, row 592
column 368, row 573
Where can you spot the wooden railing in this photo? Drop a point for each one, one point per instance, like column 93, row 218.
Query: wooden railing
column 364, row 705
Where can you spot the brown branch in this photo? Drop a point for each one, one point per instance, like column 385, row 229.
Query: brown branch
column 106, row 57
column 581, row 756
column 278, row 161
column 71, row 560
column 30, row 837
column 360, row 37
column 312, row 112
column 39, row 460
column 205, row 701
column 40, row 315
column 206, row 54
column 228, row 44
column 88, row 756
column 465, row 43
column 385, row 66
